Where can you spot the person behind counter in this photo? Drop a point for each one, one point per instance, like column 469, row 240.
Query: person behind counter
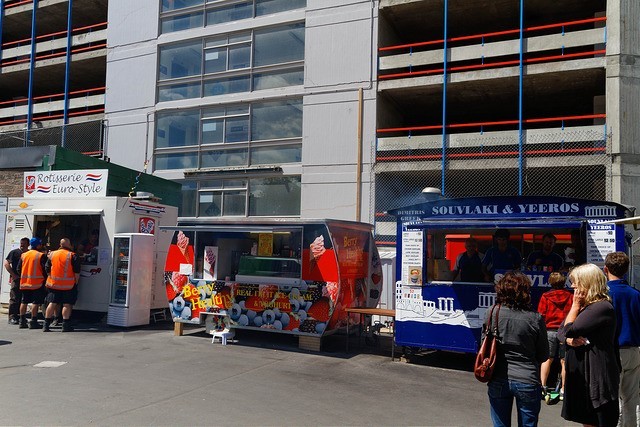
column 11, row 265
column 501, row 256
column 523, row 347
column 574, row 254
column 591, row 360
column 63, row 268
column 87, row 245
column 545, row 259
column 469, row 263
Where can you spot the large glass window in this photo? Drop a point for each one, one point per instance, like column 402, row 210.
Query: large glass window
column 230, row 136
column 232, row 63
column 219, row 12
column 279, row 45
column 181, row 22
column 180, row 60
column 274, row 196
column 178, row 129
column 268, row 196
column 276, row 120
column 267, row 7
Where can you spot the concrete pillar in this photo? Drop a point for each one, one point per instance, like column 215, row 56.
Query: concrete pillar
column 623, row 98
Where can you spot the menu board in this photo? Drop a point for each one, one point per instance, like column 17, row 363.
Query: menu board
column 412, row 257
column 601, row 240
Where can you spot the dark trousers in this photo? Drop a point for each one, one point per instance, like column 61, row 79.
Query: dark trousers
column 15, row 298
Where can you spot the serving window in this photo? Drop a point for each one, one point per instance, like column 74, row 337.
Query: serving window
column 443, row 248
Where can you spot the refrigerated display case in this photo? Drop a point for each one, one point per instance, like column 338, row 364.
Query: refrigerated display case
column 131, row 279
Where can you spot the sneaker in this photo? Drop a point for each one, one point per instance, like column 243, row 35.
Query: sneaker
column 23, row 324
column 67, row 327
column 34, row 324
column 13, row 321
column 46, row 327
column 55, row 322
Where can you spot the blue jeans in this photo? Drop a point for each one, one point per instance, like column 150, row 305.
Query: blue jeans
column 501, row 393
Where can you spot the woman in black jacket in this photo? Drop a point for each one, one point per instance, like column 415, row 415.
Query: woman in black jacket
column 591, row 392
column 522, row 349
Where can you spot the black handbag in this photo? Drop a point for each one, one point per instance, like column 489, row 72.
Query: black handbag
column 488, row 353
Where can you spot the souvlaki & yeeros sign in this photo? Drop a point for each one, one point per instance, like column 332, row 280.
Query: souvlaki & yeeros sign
column 66, row 184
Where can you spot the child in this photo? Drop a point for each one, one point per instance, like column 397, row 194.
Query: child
column 554, row 306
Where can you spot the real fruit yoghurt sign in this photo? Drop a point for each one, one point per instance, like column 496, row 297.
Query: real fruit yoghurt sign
column 77, row 184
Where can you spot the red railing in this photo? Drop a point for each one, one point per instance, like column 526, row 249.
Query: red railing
column 494, row 123
column 485, row 154
column 494, row 64
column 8, row 3
column 58, row 33
column 93, row 91
column 55, row 116
column 54, row 55
column 495, row 34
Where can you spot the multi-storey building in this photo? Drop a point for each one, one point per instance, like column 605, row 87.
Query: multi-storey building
column 259, row 107
column 52, row 73
column 507, row 97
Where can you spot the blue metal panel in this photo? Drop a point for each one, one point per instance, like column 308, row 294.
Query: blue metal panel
column 520, row 95
column 444, row 96
column 65, row 113
column 32, row 63
column 1, row 22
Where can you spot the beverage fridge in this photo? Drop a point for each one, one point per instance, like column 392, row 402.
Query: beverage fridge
column 131, row 279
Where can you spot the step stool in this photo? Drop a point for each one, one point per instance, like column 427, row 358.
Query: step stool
column 224, row 335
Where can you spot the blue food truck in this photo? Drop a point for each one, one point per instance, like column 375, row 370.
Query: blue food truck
column 436, row 310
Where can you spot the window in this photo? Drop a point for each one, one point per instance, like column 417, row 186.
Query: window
column 231, row 136
column 274, row 196
column 269, row 196
column 180, row 60
column 177, row 15
column 232, row 63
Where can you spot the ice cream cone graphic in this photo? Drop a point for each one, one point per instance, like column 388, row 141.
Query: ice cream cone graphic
column 316, row 249
column 210, row 258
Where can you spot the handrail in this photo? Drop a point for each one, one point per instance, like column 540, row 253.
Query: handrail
column 54, row 95
column 53, row 55
column 493, row 64
column 54, row 116
column 512, row 153
column 7, row 6
column 495, row 33
column 495, row 123
column 58, row 33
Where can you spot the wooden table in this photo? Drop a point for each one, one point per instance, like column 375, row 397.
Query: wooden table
column 374, row 312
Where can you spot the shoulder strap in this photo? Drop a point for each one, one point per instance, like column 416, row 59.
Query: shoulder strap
column 497, row 318
column 489, row 329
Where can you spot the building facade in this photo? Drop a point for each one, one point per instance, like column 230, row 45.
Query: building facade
column 259, row 107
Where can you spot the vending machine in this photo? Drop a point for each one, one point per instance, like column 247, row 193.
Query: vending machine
column 131, row 281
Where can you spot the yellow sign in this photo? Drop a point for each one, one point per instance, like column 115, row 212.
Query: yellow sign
column 265, row 244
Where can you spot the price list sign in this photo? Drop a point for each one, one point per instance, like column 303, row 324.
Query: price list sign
column 601, row 240
column 412, row 256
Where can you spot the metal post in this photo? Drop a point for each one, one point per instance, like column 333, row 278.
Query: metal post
column 67, row 66
column 32, row 64
column 444, row 96
column 520, row 90
column 1, row 22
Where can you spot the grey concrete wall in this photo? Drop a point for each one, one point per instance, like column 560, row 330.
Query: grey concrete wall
column 341, row 44
column 131, row 79
column 623, row 97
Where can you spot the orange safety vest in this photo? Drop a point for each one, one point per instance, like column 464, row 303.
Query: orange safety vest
column 61, row 276
column 32, row 275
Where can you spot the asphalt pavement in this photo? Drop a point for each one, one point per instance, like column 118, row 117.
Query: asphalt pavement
column 101, row 375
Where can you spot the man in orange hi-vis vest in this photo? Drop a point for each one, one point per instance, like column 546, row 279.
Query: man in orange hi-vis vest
column 63, row 269
column 32, row 276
